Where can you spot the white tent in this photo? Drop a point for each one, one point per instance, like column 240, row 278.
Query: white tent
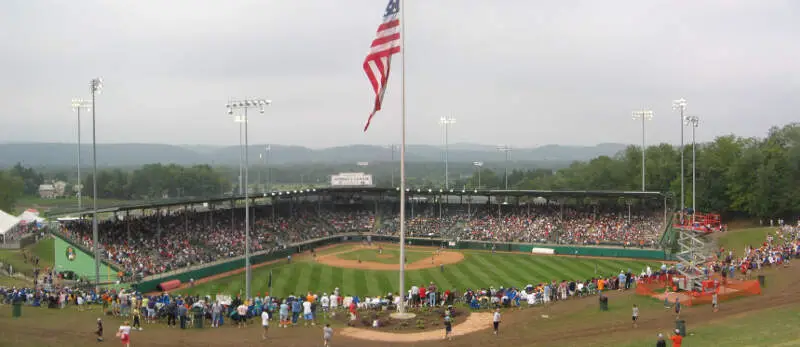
column 7, row 223
column 30, row 217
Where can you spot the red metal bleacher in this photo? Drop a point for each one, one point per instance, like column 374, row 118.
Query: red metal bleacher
column 700, row 222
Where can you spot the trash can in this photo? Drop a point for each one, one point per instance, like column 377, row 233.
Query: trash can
column 198, row 317
column 762, row 280
column 680, row 325
column 16, row 310
column 603, row 303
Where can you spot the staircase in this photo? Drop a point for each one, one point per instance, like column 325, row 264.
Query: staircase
column 694, row 250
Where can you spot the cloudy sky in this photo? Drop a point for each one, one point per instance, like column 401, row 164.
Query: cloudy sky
column 522, row 72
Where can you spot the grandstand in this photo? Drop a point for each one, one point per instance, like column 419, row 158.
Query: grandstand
column 144, row 241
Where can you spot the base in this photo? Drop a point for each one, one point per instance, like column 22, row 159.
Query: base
column 402, row 316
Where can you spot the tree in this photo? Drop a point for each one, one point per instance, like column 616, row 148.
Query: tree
column 30, row 178
column 11, row 189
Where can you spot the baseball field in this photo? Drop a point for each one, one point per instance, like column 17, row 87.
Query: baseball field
column 363, row 270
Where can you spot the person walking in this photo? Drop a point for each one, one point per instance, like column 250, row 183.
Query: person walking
column 264, row 323
column 496, row 320
column 124, row 334
column 448, row 327
column 635, row 315
column 327, row 335
column 99, row 331
column 677, row 308
column 715, row 302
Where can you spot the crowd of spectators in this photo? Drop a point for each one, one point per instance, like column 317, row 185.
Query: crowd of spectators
column 158, row 243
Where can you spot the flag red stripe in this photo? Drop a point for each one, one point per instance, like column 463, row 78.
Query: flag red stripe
column 388, row 25
column 378, row 61
column 386, row 39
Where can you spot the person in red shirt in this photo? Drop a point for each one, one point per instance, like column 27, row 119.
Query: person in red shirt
column 422, row 293
column 676, row 338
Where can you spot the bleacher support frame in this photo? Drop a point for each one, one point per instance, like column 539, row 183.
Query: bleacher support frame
column 692, row 253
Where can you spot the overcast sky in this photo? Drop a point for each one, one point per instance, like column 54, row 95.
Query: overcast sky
column 521, row 72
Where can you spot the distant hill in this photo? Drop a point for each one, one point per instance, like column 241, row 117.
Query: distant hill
column 134, row 154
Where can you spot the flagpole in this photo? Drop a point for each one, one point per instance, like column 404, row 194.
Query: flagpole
column 401, row 308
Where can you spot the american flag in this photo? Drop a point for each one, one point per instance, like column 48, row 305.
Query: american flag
column 379, row 58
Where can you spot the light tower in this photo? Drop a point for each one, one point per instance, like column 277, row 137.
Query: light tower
column 95, row 86
column 644, row 115
column 446, row 122
column 694, row 122
column 77, row 106
column 680, row 106
column 244, row 105
column 507, row 150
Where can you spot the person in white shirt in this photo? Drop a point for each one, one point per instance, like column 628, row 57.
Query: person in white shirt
column 334, row 301
column 124, row 334
column 635, row 315
column 241, row 311
column 307, row 316
column 264, row 323
column 326, row 303
column 414, row 295
column 496, row 320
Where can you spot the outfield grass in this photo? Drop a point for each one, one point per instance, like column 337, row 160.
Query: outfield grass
column 43, row 249
column 739, row 239
column 389, row 256
column 479, row 269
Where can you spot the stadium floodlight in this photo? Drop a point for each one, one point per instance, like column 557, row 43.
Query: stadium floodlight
column 392, row 148
column 95, row 87
column 478, row 165
column 232, row 107
column 446, row 122
column 694, row 122
column 77, row 106
column 507, row 150
column 680, row 106
column 644, row 116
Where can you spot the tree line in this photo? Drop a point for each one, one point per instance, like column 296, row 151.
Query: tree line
column 735, row 175
column 758, row 177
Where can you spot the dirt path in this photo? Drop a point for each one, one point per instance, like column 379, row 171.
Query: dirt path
column 443, row 258
column 473, row 323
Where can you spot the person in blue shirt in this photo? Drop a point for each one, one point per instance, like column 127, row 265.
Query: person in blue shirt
column 296, row 308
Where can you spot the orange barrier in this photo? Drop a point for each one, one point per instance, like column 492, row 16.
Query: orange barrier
column 725, row 291
column 169, row 285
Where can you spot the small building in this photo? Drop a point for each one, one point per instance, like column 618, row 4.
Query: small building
column 47, row 191
column 60, row 187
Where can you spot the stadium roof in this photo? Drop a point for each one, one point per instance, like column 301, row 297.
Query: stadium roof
column 374, row 190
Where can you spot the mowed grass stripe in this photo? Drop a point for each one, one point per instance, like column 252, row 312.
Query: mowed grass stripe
column 518, row 272
column 314, row 278
column 349, row 283
column 384, row 283
column 437, row 278
column 496, row 268
column 304, row 281
column 337, row 279
column 465, row 275
column 453, row 276
column 360, row 278
column 544, row 271
column 479, row 275
column 322, row 283
column 563, row 272
column 535, row 271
